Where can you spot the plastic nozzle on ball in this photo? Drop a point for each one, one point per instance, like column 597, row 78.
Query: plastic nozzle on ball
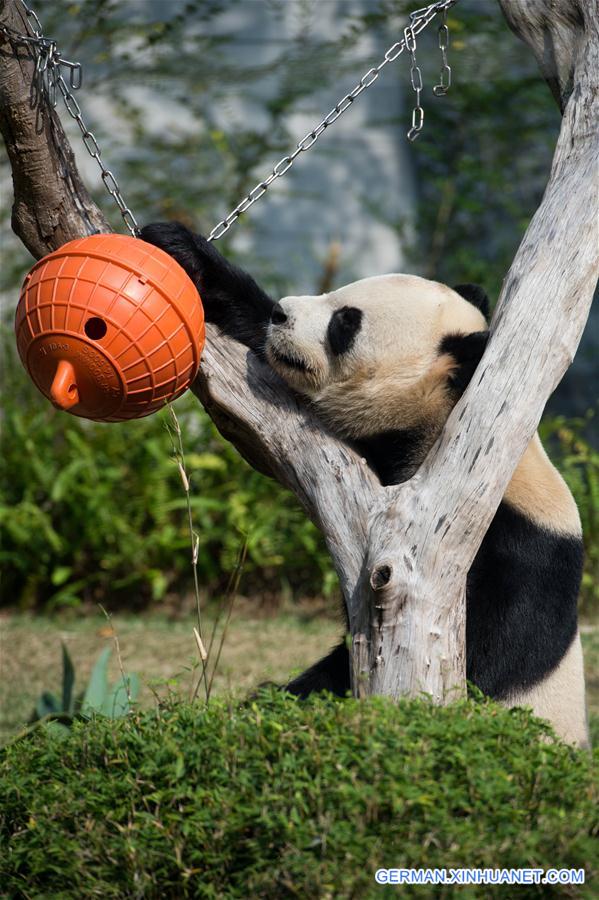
column 64, row 392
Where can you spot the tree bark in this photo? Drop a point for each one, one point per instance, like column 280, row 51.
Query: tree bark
column 554, row 31
column 51, row 203
column 402, row 553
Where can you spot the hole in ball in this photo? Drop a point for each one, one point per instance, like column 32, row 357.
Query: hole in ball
column 95, row 328
column 72, row 388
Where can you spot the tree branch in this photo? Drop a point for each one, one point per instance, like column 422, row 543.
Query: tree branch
column 51, row 203
column 553, row 30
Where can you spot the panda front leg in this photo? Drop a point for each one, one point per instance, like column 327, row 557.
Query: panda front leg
column 230, row 297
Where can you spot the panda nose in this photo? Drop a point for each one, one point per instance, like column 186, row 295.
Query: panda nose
column 278, row 317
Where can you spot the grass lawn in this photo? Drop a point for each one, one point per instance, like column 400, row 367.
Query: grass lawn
column 163, row 653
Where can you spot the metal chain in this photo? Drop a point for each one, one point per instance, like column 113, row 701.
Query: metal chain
column 419, row 19
column 47, row 78
column 416, row 81
column 441, row 89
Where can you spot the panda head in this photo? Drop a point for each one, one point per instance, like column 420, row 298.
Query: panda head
column 393, row 351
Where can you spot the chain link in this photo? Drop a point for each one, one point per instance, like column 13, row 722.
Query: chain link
column 441, row 89
column 47, row 79
column 419, row 19
column 416, row 82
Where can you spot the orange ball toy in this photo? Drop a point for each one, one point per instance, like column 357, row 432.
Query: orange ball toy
column 110, row 327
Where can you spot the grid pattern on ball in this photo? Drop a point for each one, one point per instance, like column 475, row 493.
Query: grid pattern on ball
column 185, row 360
column 182, row 378
column 166, row 339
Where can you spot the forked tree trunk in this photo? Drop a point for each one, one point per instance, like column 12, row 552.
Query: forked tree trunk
column 402, row 553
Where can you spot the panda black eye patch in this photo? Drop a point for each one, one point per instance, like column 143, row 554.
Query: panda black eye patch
column 344, row 326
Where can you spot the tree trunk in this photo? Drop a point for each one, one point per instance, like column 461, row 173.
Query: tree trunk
column 402, row 553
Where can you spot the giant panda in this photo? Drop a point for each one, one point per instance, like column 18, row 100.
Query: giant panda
column 382, row 361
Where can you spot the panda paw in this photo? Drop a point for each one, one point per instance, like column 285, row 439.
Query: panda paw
column 230, row 297
column 192, row 251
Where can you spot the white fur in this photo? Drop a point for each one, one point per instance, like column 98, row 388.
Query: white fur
column 560, row 698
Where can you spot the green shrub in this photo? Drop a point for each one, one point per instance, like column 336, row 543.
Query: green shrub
column 286, row 799
column 92, row 511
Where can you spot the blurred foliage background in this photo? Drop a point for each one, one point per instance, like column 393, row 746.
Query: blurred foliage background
column 96, row 513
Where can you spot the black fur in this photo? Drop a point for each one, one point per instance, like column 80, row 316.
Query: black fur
column 475, row 295
column 230, row 297
column 277, row 315
column 329, row 674
column 523, row 585
column 522, row 594
column 394, row 455
column 344, row 326
column 467, row 350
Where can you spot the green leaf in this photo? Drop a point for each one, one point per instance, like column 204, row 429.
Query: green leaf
column 179, row 767
column 116, row 703
column 97, row 687
column 61, row 574
column 46, row 705
column 134, row 686
column 68, row 680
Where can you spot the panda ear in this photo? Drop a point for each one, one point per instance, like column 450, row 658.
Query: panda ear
column 467, row 350
column 475, row 295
